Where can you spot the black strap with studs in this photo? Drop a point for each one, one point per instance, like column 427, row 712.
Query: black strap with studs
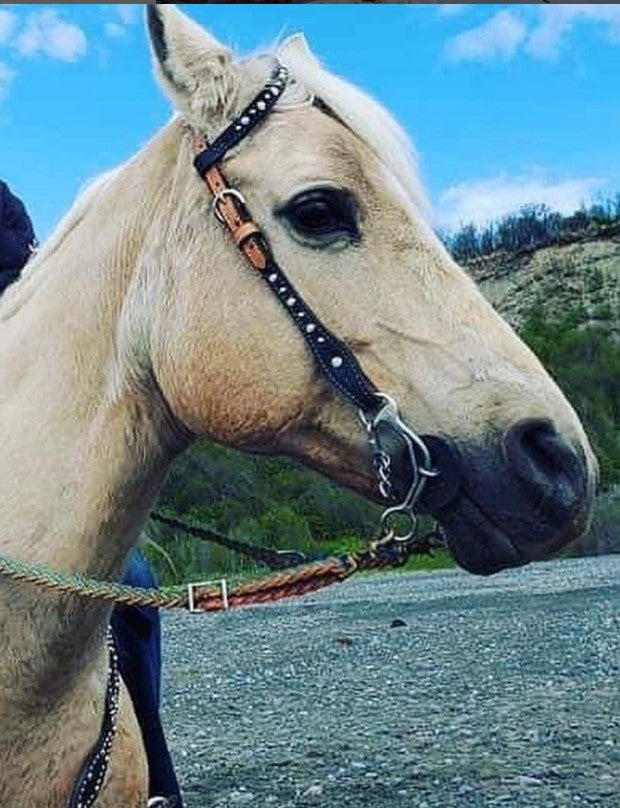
column 335, row 359
column 90, row 780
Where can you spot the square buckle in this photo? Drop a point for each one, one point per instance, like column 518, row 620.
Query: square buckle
column 191, row 593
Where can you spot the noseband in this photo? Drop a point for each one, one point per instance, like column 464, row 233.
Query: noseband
column 377, row 411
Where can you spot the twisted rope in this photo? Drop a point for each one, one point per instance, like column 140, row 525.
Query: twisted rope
column 207, row 598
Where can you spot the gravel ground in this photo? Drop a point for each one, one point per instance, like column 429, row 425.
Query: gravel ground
column 500, row 691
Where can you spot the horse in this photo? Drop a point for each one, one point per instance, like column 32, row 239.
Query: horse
column 138, row 329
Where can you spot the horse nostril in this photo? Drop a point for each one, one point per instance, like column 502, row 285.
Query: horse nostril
column 549, row 468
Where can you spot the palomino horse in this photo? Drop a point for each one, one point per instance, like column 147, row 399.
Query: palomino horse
column 139, row 328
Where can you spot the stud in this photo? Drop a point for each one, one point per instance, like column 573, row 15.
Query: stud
column 321, row 340
column 245, row 120
column 273, row 277
column 310, row 328
column 291, row 302
column 282, row 290
column 336, row 361
column 261, row 105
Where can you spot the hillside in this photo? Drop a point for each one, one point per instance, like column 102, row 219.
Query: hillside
column 584, row 274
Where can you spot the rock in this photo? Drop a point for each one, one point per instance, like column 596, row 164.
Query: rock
column 314, row 791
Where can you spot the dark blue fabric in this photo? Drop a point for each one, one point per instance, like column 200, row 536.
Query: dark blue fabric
column 16, row 236
column 137, row 633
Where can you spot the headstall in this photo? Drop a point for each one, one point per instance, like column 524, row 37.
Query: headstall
column 377, row 411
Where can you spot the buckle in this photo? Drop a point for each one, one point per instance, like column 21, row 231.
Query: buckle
column 191, row 593
column 220, row 196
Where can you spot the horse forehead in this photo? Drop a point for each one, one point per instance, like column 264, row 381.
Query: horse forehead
column 301, row 144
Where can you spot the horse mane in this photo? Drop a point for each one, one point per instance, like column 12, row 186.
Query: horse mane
column 19, row 293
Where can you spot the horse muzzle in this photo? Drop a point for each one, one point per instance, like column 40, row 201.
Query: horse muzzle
column 520, row 497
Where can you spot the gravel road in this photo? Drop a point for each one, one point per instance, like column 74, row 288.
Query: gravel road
column 499, row 691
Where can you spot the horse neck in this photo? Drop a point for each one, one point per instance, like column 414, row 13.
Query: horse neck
column 85, row 435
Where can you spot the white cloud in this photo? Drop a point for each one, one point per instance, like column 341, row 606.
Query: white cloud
column 557, row 21
column 47, row 33
column 498, row 37
column 126, row 12
column 450, row 9
column 115, row 30
column 120, row 17
column 8, row 21
column 483, row 200
column 506, row 33
column 6, row 78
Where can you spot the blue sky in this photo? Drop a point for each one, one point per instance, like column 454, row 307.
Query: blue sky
column 507, row 104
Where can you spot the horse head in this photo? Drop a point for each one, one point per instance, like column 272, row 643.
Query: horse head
column 329, row 177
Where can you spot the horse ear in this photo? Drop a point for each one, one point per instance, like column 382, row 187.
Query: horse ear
column 295, row 50
column 196, row 71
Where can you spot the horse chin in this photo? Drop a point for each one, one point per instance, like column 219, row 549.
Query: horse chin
column 484, row 540
column 476, row 544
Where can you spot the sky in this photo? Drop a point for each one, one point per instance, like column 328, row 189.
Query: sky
column 506, row 104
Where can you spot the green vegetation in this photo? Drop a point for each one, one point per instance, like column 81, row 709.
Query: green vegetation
column 271, row 502
column 585, row 361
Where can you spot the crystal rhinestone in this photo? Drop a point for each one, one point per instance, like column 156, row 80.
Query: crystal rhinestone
column 245, row 120
column 282, row 290
column 321, row 340
column 291, row 302
column 336, row 361
column 273, row 278
column 310, row 328
column 261, row 105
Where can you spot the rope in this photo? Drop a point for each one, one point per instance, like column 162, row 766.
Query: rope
column 385, row 552
column 205, row 598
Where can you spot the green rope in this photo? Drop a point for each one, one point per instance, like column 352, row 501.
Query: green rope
column 76, row 584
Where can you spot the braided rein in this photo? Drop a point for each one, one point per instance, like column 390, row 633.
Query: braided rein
column 387, row 551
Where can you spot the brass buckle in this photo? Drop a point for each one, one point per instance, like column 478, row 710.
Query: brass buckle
column 191, row 593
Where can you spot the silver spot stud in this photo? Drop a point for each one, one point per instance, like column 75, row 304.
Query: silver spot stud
column 321, row 340
column 273, row 278
column 282, row 290
column 336, row 361
column 310, row 328
column 245, row 120
column 291, row 302
column 261, row 105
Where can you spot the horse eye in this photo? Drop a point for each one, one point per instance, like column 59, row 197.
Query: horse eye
column 323, row 215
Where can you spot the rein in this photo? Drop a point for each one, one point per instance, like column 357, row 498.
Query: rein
column 377, row 412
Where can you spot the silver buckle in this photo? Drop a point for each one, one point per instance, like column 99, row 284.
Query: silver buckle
column 220, row 196
column 191, row 593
